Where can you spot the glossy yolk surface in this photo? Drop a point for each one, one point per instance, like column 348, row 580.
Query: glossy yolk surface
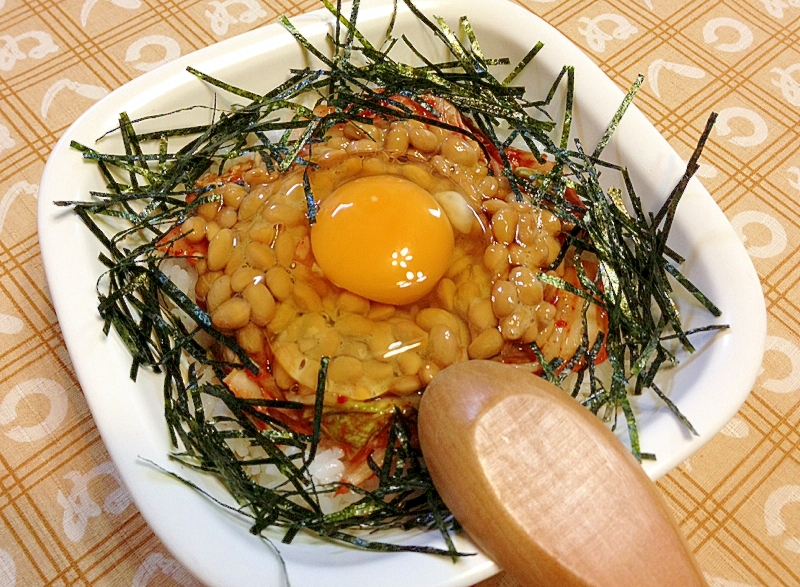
column 384, row 238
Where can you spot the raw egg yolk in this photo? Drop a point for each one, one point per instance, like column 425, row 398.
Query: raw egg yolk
column 384, row 238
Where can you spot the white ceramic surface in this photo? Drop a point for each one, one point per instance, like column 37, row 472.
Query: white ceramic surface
column 709, row 387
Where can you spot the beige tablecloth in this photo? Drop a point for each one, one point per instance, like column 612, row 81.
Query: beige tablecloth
column 64, row 518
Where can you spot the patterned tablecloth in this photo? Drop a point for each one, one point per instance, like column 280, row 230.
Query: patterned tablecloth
column 64, row 517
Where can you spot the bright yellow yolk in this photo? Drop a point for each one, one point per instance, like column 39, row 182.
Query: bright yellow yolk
column 383, row 238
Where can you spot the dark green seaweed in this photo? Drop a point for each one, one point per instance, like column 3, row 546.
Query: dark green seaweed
column 160, row 325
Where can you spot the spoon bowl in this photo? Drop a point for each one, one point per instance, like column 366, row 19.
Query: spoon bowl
column 543, row 487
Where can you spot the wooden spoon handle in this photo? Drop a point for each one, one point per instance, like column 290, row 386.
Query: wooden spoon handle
column 543, row 487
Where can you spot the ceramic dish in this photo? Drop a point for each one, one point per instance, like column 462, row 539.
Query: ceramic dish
column 709, row 387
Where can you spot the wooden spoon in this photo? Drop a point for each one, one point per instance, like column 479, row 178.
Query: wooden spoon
column 543, row 487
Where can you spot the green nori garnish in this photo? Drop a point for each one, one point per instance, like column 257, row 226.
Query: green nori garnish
column 140, row 302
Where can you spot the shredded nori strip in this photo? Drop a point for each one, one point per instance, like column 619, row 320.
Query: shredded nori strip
column 160, row 325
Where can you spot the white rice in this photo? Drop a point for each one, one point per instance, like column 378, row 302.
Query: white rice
column 327, row 467
column 184, row 276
